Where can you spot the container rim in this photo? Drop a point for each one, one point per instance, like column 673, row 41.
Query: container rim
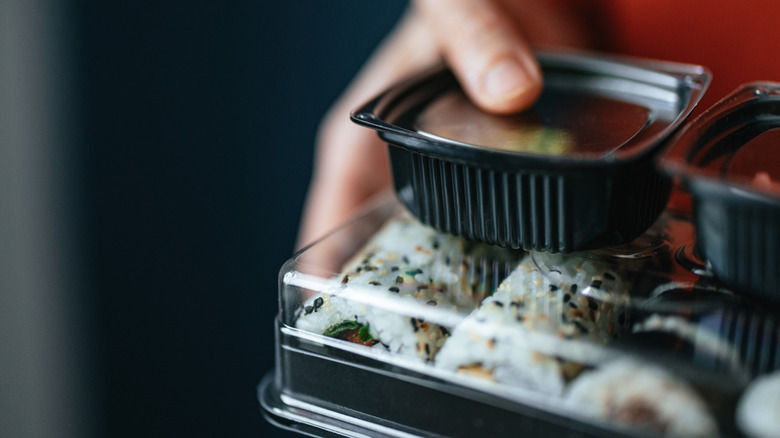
column 753, row 105
column 687, row 82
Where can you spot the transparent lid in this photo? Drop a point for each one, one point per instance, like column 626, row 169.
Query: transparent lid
column 735, row 142
column 561, row 122
column 593, row 110
column 639, row 336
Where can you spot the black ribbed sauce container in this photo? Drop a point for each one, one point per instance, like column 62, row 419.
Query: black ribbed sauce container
column 728, row 160
column 576, row 171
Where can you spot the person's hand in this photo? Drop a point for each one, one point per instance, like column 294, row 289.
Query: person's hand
column 486, row 43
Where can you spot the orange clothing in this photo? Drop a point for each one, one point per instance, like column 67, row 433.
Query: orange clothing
column 737, row 41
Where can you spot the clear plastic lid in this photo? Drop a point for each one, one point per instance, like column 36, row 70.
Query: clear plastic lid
column 562, row 122
column 593, row 110
column 638, row 338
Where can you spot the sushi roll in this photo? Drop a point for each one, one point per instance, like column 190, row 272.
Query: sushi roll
column 413, row 266
column 575, row 298
column 705, row 345
column 631, row 394
column 743, row 340
column 508, row 339
column 758, row 411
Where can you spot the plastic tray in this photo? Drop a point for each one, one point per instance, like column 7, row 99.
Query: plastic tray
column 701, row 343
column 576, row 171
column 728, row 159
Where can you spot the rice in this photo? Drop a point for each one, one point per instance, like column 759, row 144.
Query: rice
column 758, row 410
column 509, row 337
column 411, row 266
column 637, row 395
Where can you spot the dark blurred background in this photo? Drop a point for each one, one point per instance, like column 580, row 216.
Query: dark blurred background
column 155, row 158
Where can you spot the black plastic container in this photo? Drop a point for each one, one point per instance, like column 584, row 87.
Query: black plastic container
column 575, row 171
column 728, row 158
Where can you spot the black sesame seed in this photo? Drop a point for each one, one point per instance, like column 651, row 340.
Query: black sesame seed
column 394, row 268
column 422, row 286
column 447, row 260
column 435, row 244
column 596, row 284
column 414, row 325
column 553, row 288
column 498, row 303
column 394, row 289
column 609, row 276
column 573, row 305
column 579, row 325
column 573, row 288
column 444, row 331
column 427, row 349
column 360, row 268
column 519, row 304
column 318, row 303
column 308, row 309
column 399, row 279
column 374, row 283
column 566, row 298
column 514, row 304
column 593, row 305
column 431, row 303
column 405, row 259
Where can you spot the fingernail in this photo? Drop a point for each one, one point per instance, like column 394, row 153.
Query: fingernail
column 506, row 80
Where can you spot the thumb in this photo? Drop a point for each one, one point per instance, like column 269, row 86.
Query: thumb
column 487, row 52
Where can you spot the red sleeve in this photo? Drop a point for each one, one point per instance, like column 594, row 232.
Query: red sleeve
column 737, row 40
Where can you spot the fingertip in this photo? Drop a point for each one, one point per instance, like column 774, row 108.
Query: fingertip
column 487, row 52
column 507, row 86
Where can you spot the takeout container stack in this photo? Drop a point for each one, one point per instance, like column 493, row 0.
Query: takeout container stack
column 528, row 276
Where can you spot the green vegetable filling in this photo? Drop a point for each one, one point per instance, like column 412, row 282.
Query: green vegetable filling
column 339, row 327
column 363, row 331
column 365, row 336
